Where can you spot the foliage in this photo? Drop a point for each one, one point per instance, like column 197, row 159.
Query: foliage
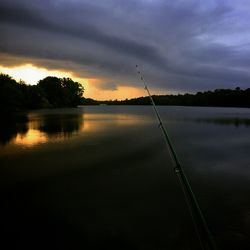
column 54, row 92
column 72, row 91
column 11, row 97
column 89, row 101
column 51, row 92
column 61, row 92
column 216, row 98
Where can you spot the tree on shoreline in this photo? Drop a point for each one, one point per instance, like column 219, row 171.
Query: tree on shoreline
column 50, row 92
column 11, row 96
column 61, row 92
column 217, row 98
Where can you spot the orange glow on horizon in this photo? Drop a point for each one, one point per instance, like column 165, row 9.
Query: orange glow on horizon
column 31, row 74
column 121, row 93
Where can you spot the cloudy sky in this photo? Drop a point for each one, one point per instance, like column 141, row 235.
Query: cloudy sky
column 181, row 46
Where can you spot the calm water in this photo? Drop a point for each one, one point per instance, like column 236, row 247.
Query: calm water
column 101, row 177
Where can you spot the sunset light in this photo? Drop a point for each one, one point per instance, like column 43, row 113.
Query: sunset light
column 121, row 93
column 31, row 74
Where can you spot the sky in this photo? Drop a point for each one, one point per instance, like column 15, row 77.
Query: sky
column 181, row 46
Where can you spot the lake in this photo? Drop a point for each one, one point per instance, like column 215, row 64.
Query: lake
column 100, row 177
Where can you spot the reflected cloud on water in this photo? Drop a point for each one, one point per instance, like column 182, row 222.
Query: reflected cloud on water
column 237, row 122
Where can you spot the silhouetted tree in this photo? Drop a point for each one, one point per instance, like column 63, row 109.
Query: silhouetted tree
column 64, row 92
column 11, row 97
column 218, row 97
column 89, row 101
column 61, row 92
column 72, row 91
column 52, row 88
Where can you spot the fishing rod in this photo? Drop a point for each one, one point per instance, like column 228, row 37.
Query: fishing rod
column 203, row 233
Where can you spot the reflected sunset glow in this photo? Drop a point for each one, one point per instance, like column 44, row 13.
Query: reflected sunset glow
column 71, row 127
column 94, row 123
column 31, row 138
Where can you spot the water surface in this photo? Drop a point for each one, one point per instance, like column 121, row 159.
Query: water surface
column 101, row 177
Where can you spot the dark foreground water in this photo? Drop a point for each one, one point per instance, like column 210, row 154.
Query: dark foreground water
column 101, row 178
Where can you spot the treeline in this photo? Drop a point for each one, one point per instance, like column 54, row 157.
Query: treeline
column 217, row 98
column 54, row 92
column 50, row 92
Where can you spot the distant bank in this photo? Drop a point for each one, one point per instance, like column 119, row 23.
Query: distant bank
column 217, row 98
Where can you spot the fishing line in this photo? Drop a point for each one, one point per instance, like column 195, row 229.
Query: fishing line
column 203, row 233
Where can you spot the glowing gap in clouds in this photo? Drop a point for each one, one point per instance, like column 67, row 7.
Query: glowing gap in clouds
column 32, row 74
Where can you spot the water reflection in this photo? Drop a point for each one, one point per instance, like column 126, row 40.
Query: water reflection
column 53, row 125
column 237, row 122
column 109, row 178
column 35, row 128
column 32, row 137
column 60, row 125
column 12, row 126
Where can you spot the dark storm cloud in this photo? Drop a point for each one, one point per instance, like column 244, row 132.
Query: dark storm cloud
column 22, row 16
column 182, row 45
